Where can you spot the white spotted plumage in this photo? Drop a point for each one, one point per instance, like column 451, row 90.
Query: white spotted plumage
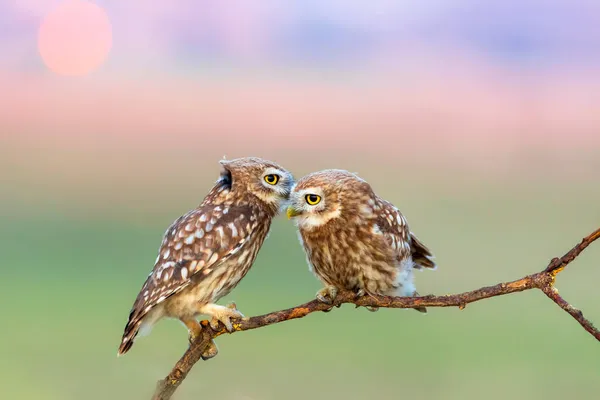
column 200, row 259
column 355, row 240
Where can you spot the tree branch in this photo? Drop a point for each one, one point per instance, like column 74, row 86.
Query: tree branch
column 543, row 280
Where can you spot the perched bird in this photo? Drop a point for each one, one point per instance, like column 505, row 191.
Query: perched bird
column 205, row 253
column 355, row 240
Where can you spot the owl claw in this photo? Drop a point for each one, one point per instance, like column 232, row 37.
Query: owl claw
column 195, row 332
column 420, row 309
column 222, row 314
column 210, row 351
column 360, row 293
column 327, row 295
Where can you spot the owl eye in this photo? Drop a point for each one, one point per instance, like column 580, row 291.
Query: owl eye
column 272, row 179
column 312, row 199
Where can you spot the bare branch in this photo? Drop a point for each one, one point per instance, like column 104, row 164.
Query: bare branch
column 558, row 264
column 552, row 293
column 543, row 281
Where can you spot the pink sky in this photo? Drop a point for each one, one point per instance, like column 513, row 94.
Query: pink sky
column 462, row 111
column 419, row 88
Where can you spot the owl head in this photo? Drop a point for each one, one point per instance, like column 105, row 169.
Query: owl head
column 264, row 179
column 327, row 196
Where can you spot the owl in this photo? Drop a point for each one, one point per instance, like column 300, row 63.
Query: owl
column 353, row 239
column 205, row 253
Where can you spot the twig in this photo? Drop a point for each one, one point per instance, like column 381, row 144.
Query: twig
column 552, row 293
column 543, row 280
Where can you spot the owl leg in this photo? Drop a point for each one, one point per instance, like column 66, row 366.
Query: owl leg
column 194, row 332
column 221, row 314
column 327, row 295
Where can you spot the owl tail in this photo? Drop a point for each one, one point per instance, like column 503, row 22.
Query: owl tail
column 421, row 255
column 131, row 331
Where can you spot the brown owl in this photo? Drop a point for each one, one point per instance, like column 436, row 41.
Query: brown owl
column 353, row 239
column 206, row 252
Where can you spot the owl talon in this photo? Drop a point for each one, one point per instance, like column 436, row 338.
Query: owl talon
column 327, row 295
column 194, row 333
column 360, row 293
column 221, row 314
column 210, row 351
column 420, row 309
column 214, row 324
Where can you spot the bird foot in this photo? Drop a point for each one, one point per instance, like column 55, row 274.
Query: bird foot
column 327, row 295
column 419, row 309
column 210, row 351
column 194, row 333
column 360, row 293
column 222, row 314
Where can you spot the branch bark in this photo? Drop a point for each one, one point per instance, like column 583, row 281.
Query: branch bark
column 543, row 281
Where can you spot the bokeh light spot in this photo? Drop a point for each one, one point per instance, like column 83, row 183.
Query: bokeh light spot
column 75, row 38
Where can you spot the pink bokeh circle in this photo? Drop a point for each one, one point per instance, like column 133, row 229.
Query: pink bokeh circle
column 75, row 38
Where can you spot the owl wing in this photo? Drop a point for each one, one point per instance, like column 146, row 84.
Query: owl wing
column 397, row 234
column 192, row 247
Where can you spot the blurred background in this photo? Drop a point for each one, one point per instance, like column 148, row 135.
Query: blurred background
column 479, row 120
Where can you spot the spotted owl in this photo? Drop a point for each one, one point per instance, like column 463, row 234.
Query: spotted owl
column 353, row 239
column 206, row 252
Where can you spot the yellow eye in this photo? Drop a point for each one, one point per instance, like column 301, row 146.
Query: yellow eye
column 272, row 179
column 312, row 199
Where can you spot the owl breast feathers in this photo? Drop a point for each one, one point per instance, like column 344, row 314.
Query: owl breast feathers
column 353, row 239
column 198, row 250
column 205, row 253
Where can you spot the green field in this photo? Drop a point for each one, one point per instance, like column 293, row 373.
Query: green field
column 69, row 282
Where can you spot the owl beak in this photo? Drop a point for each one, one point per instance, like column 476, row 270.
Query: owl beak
column 292, row 212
